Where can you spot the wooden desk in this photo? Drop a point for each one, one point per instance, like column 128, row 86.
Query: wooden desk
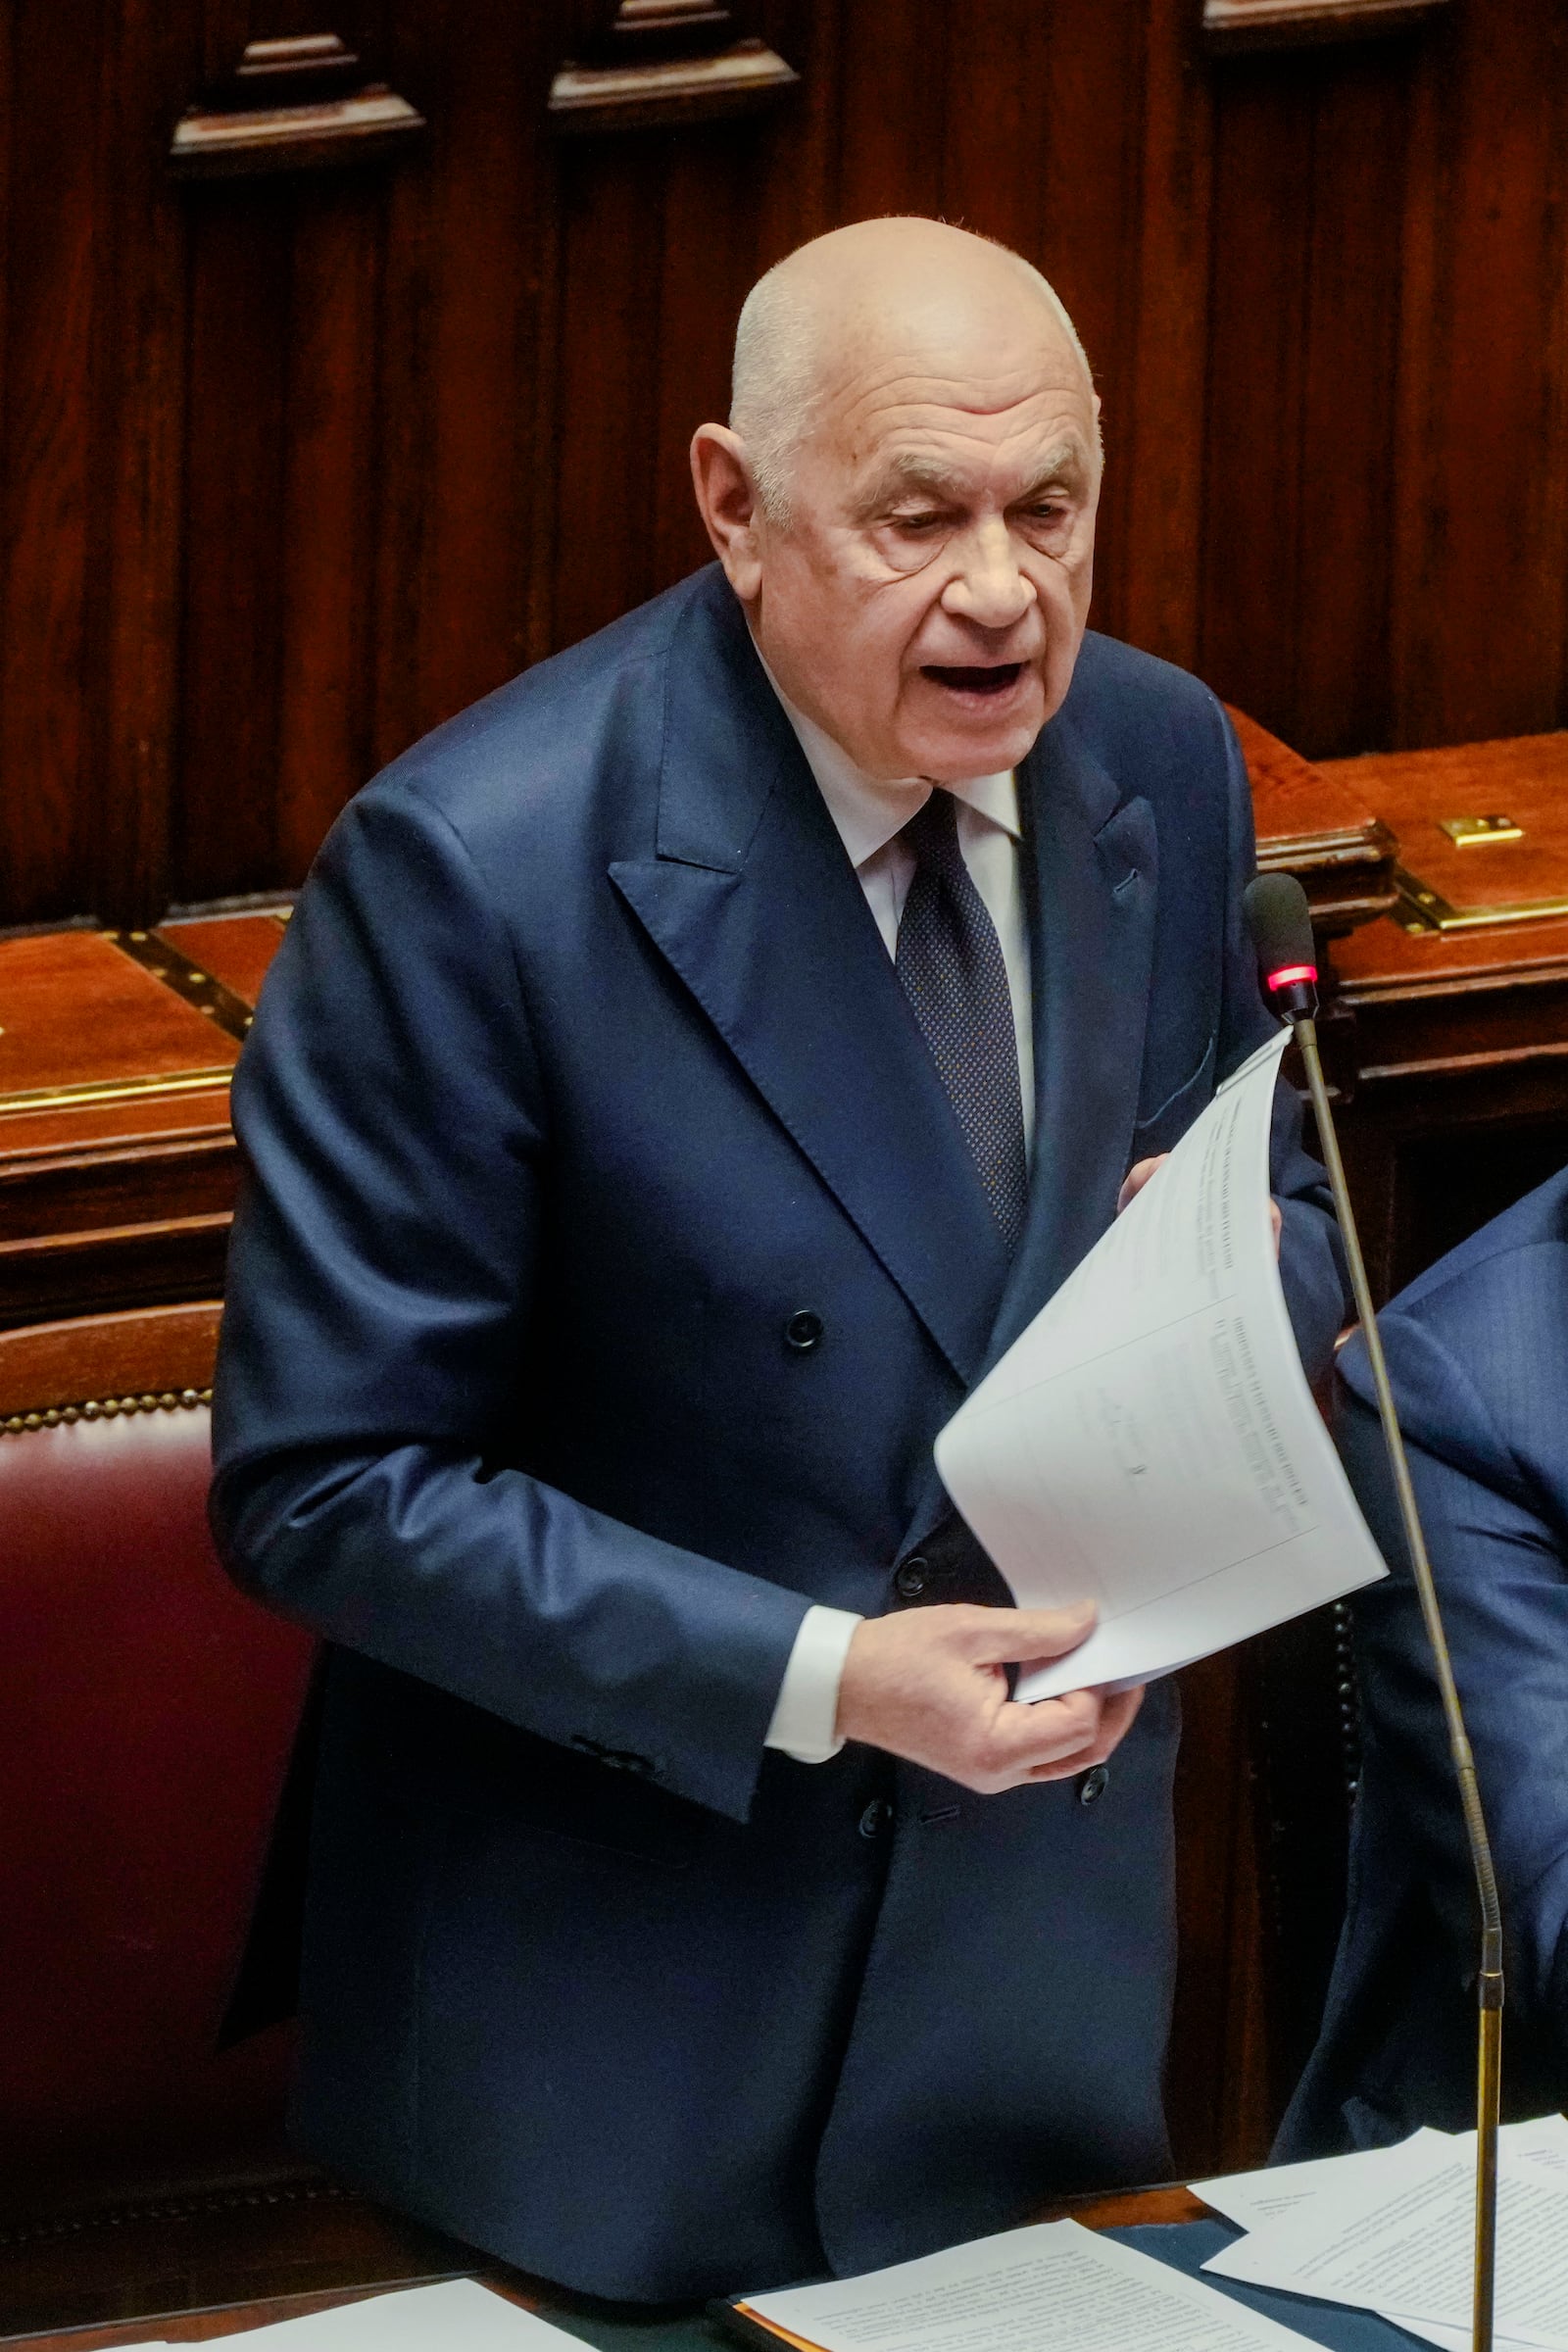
column 118, row 1166
column 1319, row 828
column 305, row 2255
column 1452, row 1044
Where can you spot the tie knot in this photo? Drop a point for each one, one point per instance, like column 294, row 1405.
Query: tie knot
column 932, row 833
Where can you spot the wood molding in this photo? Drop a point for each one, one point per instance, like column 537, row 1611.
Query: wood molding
column 669, row 92
column 1318, row 828
column 151, row 1356
column 1234, row 25
column 659, row 65
column 292, row 106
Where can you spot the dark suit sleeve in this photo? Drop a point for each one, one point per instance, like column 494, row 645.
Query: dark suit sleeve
column 1501, row 1565
column 1311, row 1259
column 395, row 1124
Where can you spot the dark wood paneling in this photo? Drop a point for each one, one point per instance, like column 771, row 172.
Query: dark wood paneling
column 611, row 239
column 1477, row 645
column 134, row 679
column 481, row 75
column 1340, row 688
column 293, row 470
column 328, row 498
column 1089, row 206
column 1259, row 308
column 893, row 106
column 53, row 50
column 985, row 114
column 236, row 466
column 1157, row 405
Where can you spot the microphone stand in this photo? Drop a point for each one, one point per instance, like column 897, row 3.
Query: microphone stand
column 1488, row 1986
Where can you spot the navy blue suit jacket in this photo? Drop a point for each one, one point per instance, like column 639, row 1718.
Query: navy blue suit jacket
column 582, row 1071
column 1478, row 1354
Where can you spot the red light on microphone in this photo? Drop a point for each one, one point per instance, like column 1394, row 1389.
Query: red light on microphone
column 1289, row 972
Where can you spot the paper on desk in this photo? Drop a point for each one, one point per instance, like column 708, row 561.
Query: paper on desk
column 1406, row 2247
column 1026, row 2290
column 1150, row 1443
column 1540, row 2146
column 1252, row 2198
column 456, row 2314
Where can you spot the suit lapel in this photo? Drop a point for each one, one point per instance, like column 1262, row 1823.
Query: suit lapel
column 1092, row 871
column 750, row 898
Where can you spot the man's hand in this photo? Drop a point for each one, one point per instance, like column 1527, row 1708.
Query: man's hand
column 1139, row 1172
column 930, row 1686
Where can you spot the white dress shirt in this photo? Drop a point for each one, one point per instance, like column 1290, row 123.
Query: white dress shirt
column 869, row 814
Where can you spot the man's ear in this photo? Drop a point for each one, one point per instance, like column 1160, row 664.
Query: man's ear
column 726, row 500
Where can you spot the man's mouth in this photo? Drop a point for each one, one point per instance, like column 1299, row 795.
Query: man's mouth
column 992, row 678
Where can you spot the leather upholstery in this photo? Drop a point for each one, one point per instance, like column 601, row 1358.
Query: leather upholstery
column 146, row 1716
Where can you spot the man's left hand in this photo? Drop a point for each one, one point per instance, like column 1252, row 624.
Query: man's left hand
column 1139, row 1172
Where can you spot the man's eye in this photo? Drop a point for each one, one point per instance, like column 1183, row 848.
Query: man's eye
column 923, row 522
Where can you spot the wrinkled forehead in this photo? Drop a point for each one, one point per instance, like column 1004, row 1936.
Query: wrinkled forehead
column 993, row 384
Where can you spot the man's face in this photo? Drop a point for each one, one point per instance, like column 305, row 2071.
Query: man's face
column 927, row 598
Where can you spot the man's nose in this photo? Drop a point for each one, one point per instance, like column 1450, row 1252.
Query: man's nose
column 988, row 586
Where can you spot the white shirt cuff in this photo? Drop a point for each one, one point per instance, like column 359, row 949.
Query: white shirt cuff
column 808, row 1707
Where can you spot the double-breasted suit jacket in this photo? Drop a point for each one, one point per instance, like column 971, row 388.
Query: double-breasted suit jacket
column 610, row 1258
column 1478, row 1357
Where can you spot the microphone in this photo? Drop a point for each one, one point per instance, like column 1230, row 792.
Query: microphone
column 1276, row 913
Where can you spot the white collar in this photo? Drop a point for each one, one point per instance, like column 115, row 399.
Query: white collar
column 868, row 810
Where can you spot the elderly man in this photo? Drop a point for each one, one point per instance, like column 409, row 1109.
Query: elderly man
column 685, row 1072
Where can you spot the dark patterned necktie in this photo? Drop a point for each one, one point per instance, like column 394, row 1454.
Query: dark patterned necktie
column 950, row 960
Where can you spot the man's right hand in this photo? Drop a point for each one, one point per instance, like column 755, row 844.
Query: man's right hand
column 930, row 1684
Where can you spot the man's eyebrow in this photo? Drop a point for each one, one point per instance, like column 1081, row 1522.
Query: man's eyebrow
column 903, row 475
column 1065, row 466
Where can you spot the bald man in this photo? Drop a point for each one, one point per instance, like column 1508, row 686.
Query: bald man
column 685, row 1074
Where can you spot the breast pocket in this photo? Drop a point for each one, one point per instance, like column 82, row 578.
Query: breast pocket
column 1162, row 1127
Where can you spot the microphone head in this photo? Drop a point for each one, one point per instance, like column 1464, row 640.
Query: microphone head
column 1280, row 922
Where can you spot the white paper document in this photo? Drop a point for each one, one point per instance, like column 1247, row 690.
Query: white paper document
column 1150, row 1443
column 1252, row 2198
column 1541, row 2145
column 1056, row 2287
column 1400, row 2241
column 456, row 2314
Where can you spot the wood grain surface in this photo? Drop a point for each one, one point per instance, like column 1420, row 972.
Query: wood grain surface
column 295, row 469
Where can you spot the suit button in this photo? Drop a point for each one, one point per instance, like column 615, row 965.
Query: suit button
column 803, row 1331
column 1091, row 1787
column 877, row 1817
column 909, row 1581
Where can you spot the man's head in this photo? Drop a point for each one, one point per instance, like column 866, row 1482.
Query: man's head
column 905, row 496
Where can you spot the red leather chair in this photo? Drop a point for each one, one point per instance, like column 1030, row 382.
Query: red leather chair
column 147, row 1712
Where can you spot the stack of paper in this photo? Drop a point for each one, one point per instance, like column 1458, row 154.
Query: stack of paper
column 1393, row 2231
column 1041, row 2289
column 1150, row 1442
column 456, row 2314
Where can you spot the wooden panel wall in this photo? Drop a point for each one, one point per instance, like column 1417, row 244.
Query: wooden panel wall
column 292, row 468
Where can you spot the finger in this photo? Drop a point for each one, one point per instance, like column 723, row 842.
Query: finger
column 1136, row 1177
column 1022, row 1738
column 1068, row 1768
column 1003, row 1636
column 1117, row 1716
column 1278, row 1223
